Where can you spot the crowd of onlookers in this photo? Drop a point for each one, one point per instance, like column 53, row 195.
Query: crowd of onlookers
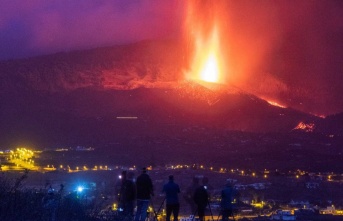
column 141, row 191
column 134, row 198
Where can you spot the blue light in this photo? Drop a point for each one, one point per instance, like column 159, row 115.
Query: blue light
column 80, row 189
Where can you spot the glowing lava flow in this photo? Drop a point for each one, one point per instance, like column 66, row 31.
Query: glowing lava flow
column 275, row 104
column 305, row 127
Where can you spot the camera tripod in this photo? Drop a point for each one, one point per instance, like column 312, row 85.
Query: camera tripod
column 159, row 209
column 221, row 215
column 209, row 206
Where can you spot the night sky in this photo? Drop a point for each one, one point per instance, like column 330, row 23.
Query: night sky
column 39, row 27
column 288, row 51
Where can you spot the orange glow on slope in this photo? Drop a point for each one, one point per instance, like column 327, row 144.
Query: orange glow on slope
column 275, row 104
column 305, row 127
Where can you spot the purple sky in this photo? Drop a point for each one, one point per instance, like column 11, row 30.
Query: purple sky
column 290, row 51
column 38, row 26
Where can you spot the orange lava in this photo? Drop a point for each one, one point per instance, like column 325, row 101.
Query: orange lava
column 206, row 62
column 307, row 127
column 275, row 104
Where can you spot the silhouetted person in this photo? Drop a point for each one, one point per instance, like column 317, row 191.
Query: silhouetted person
column 144, row 193
column 201, row 200
column 128, row 196
column 210, row 189
column 119, row 185
column 205, row 182
column 50, row 204
column 190, row 193
column 72, row 207
column 172, row 190
column 228, row 201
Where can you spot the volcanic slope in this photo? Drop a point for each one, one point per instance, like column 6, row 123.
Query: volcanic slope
column 143, row 79
column 90, row 114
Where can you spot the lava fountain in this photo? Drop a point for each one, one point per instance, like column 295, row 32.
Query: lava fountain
column 207, row 59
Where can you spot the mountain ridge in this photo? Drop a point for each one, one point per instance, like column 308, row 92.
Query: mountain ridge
column 118, row 67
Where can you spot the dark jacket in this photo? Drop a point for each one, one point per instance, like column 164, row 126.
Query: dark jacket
column 201, row 196
column 172, row 190
column 128, row 191
column 228, row 195
column 144, row 187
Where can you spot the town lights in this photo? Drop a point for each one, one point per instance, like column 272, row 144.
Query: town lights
column 114, row 207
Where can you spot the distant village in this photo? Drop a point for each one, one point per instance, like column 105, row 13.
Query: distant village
column 271, row 194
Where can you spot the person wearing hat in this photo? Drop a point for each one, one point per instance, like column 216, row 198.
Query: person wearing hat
column 144, row 192
column 172, row 190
